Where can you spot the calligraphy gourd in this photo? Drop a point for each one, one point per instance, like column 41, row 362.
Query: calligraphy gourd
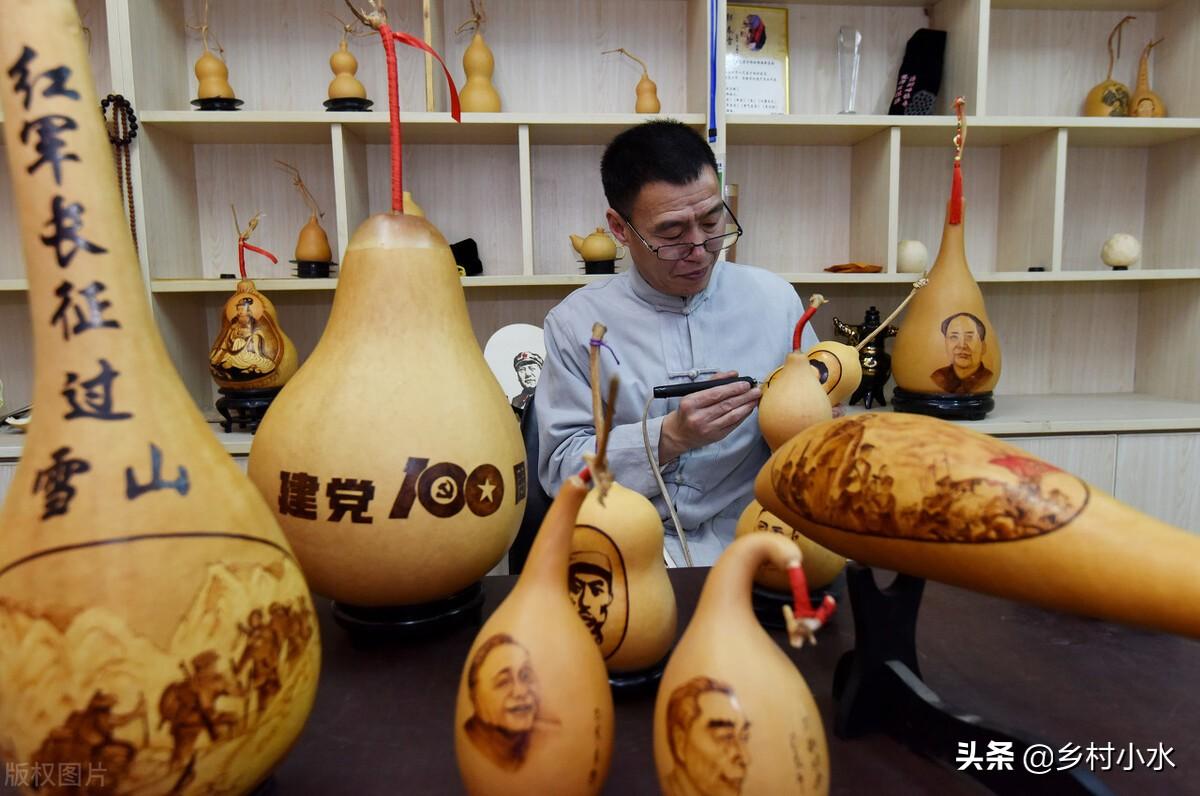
column 534, row 712
column 821, row 566
column 143, row 581
column 727, row 672
column 417, row 490
column 947, row 346
column 935, row 500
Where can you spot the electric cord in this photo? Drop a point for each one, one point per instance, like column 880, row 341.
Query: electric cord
column 662, row 486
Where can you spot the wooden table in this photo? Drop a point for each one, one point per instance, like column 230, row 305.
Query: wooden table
column 383, row 720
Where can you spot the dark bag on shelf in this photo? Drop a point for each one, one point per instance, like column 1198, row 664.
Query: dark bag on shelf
column 920, row 76
column 466, row 254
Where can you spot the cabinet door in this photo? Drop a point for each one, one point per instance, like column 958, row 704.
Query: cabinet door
column 1157, row 474
column 1092, row 458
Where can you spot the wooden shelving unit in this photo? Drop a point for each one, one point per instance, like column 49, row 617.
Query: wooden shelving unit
column 1089, row 354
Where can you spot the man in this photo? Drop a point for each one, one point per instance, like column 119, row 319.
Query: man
column 528, row 366
column 708, row 736
column 589, row 579
column 506, row 713
column 678, row 315
column 966, row 343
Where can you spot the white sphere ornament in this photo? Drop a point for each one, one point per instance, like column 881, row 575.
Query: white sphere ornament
column 912, row 257
column 1121, row 250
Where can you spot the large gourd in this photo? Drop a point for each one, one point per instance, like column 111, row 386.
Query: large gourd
column 938, row 501
column 617, row 578
column 946, row 358
column 534, row 712
column 143, row 582
column 733, row 715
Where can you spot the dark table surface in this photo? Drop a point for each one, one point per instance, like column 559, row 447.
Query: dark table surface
column 383, row 720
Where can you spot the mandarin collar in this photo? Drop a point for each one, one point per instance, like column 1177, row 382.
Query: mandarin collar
column 684, row 305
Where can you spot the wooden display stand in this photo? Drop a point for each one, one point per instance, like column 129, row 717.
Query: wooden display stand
column 1101, row 376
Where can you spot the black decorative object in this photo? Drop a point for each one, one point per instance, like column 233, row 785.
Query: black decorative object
column 466, row 254
column 403, row 622
column 356, row 104
column 600, row 267
column 217, row 103
column 948, row 406
column 920, row 76
column 878, row 688
column 121, row 132
column 244, row 408
column 631, row 683
column 314, row 269
column 875, row 360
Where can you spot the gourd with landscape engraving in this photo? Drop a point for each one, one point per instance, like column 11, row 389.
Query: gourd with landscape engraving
column 156, row 631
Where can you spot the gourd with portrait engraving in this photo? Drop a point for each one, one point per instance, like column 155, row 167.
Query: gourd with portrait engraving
column 155, row 630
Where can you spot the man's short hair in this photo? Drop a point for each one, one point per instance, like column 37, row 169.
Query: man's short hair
column 684, row 706
column 659, row 151
column 481, row 655
column 590, row 562
column 978, row 324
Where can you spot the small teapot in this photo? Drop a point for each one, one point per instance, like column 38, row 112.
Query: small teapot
column 597, row 247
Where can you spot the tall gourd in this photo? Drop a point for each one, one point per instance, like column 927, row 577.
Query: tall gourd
column 478, row 94
column 727, row 673
column 534, row 712
column 617, row 578
column 946, row 359
column 935, row 500
column 391, row 458
column 141, row 575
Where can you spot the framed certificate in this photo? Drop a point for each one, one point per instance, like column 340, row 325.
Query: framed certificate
column 756, row 59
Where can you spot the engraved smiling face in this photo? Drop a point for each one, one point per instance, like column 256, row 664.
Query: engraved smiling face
column 505, row 695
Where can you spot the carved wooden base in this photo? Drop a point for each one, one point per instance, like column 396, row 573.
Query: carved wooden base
column 348, row 104
column 314, row 269
column 878, row 688
column 768, row 604
column 637, row 682
column 944, row 405
column 244, row 408
column 404, row 622
column 217, row 103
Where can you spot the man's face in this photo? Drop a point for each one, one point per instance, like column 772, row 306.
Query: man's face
column 963, row 345
column 527, row 374
column 715, row 752
column 667, row 214
column 506, row 692
column 591, row 596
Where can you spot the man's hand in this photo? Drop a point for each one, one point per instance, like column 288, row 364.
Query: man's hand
column 705, row 417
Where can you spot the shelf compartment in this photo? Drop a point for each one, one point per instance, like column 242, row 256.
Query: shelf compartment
column 1148, row 192
column 1044, row 57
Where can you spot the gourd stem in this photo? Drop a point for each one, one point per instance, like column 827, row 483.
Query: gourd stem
column 645, row 71
column 1116, row 31
column 814, row 301
column 602, row 416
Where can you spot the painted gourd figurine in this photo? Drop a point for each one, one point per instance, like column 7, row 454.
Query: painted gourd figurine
column 478, row 95
column 936, row 500
column 1145, row 102
column 534, row 712
column 733, row 715
column 213, row 92
column 1110, row 97
column 646, row 90
column 946, row 360
column 617, row 578
column 143, row 580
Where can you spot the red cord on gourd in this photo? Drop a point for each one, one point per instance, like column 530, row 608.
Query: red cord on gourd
column 956, row 195
column 801, row 604
column 242, row 246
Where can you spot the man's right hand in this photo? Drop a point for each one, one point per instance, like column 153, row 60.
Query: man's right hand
column 705, row 417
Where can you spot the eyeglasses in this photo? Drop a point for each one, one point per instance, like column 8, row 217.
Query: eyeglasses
column 679, row 251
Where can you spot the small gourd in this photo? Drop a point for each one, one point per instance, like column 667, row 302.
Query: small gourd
column 1145, row 102
column 211, row 71
column 534, row 711
column 312, row 246
column 821, row 566
column 345, row 66
column 793, row 397
column 733, row 715
column 646, row 89
column 478, row 95
column 617, row 578
column 1109, row 97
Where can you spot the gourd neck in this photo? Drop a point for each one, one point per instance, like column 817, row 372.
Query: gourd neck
column 726, row 594
column 548, row 557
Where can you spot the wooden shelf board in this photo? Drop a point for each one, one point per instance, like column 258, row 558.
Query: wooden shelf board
column 243, row 127
column 14, row 285
column 1015, row 415
column 1083, row 5
column 1019, row 415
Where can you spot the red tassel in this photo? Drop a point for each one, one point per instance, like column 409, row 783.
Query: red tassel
column 956, row 195
column 242, row 246
column 801, row 605
column 808, row 313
